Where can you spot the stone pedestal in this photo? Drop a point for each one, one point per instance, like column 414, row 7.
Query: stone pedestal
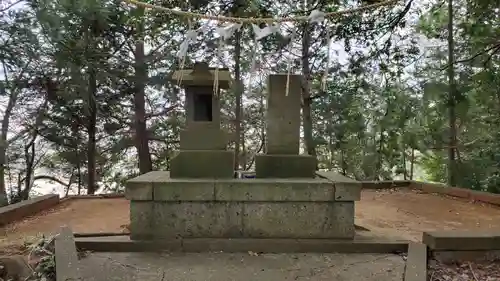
column 285, row 166
column 282, row 159
column 199, row 198
column 202, row 164
column 165, row 208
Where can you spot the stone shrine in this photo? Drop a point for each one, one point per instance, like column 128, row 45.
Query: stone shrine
column 282, row 159
column 199, row 198
column 202, row 142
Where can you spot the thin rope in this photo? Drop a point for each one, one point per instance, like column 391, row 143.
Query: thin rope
column 260, row 20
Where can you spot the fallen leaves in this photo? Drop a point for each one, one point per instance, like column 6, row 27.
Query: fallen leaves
column 464, row 271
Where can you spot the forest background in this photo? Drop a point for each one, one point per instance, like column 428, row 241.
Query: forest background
column 413, row 90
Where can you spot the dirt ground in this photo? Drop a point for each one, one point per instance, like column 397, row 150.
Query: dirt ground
column 82, row 215
column 397, row 213
column 407, row 213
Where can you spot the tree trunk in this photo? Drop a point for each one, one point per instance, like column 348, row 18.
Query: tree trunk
column 378, row 166
column 141, row 76
column 91, row 131
column 412, row 163
column 452, row 169
column 29, row 153
column 306, row 92
column 29, row 156
column 238, row 96
column 3, row 147
column 405, row 173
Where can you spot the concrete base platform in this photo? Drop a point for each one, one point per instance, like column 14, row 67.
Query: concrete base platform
column 166, row 208
column 361, row 244
column 241, row 267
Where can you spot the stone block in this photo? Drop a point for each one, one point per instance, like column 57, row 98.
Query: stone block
column 141, row 220
column 462, row 240
column 207, row 137
column 448, row 257
column 66, row 257
column 202, row 164
column 299, row 220
column 139, row 190
column 334, row 176
column 198, row 219
column 141, row 187
column 18, row 211
column 283, row 114
column 184, row 190
column 274, row 190
column 285, row 166
column 416, row 262
column 347, row 191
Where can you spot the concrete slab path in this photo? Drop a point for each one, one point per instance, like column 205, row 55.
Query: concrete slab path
column 241, row 267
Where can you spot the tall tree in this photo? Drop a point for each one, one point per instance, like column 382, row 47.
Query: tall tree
column 452, row 165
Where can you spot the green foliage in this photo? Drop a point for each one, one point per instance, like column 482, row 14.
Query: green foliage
column 76, row 64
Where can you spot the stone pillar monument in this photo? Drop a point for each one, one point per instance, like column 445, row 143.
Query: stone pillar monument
column 202, row 143
column 282, row 159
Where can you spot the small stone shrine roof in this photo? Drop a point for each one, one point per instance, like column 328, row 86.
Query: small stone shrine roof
column 200, row 74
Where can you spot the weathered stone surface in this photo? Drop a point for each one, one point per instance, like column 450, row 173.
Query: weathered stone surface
column 466, row 256
column 252, row 219
column 141, row 219
column 141, row 187
column 268, row 208
column 20, row 210
column 264, row 245
column 301, row 190
column 165, row 188
column 67, row 266
column 203, row 138
column 217, row 266
column 202, row 164
column 462, row 240
column 299, row 220
column 201, row 85
column 283, row 114
column 334, row 176
column 416, row 263
column 184, row 190
column 347, row 191
column 198, row 219
column 285, row 166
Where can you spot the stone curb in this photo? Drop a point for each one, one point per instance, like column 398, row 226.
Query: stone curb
column 375, row 185
column 462, row 240
column 98, row 196
column 473, row 195
column 67, row 264
column 20, row 210
column 99, row 234
column 124, row 244
column 416, row 263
